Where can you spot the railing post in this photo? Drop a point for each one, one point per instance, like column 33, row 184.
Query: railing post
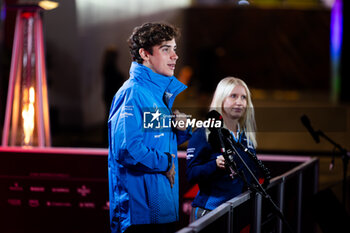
column 230, row 221
column 316, row 175
column 299, row 200
column 280, row 199
column 257, row 213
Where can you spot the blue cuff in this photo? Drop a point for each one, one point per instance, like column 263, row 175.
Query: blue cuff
column 170, row 161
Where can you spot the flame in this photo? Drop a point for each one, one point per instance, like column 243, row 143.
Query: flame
column 28, row 115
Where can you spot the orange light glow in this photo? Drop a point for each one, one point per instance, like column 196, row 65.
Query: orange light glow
column 28, row 115
column 27, row 121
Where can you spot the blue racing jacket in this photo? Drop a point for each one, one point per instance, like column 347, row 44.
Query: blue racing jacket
column 141, row 141
column 215, row 185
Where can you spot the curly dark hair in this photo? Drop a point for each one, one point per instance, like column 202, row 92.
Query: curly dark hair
column 148, row 35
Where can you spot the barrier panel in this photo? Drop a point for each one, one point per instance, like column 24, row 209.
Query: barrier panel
column 53, row 190
column 250, row 212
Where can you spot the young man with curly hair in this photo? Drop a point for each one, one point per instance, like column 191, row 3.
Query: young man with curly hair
column 142, row 161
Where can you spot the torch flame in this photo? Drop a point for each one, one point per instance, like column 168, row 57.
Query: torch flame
column 28, row 115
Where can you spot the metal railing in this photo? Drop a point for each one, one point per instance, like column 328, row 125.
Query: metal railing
column 291, row 186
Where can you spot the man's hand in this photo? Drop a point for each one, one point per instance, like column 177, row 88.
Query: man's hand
column 180, row 117
column 171, row 174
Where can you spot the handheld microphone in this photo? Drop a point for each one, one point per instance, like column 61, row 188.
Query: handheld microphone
column 306, row 122
column 217, row 133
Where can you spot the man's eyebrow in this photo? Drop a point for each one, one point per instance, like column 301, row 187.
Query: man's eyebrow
column 165, row 45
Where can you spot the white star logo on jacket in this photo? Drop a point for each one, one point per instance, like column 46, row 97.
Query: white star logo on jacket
column 156, row 115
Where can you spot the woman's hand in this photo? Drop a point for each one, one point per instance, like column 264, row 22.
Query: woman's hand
column 220, row 162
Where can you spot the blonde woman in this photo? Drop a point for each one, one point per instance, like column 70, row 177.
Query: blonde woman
column 206, row 166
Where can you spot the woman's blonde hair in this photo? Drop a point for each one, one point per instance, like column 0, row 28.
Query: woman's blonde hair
column 247, row 121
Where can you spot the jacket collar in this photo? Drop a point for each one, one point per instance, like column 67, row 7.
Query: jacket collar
column 169, row 87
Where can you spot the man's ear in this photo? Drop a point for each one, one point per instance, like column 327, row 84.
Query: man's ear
column 144, row 54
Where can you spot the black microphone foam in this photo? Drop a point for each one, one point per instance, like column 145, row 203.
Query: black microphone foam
column 213, row 114
column 306, row 122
